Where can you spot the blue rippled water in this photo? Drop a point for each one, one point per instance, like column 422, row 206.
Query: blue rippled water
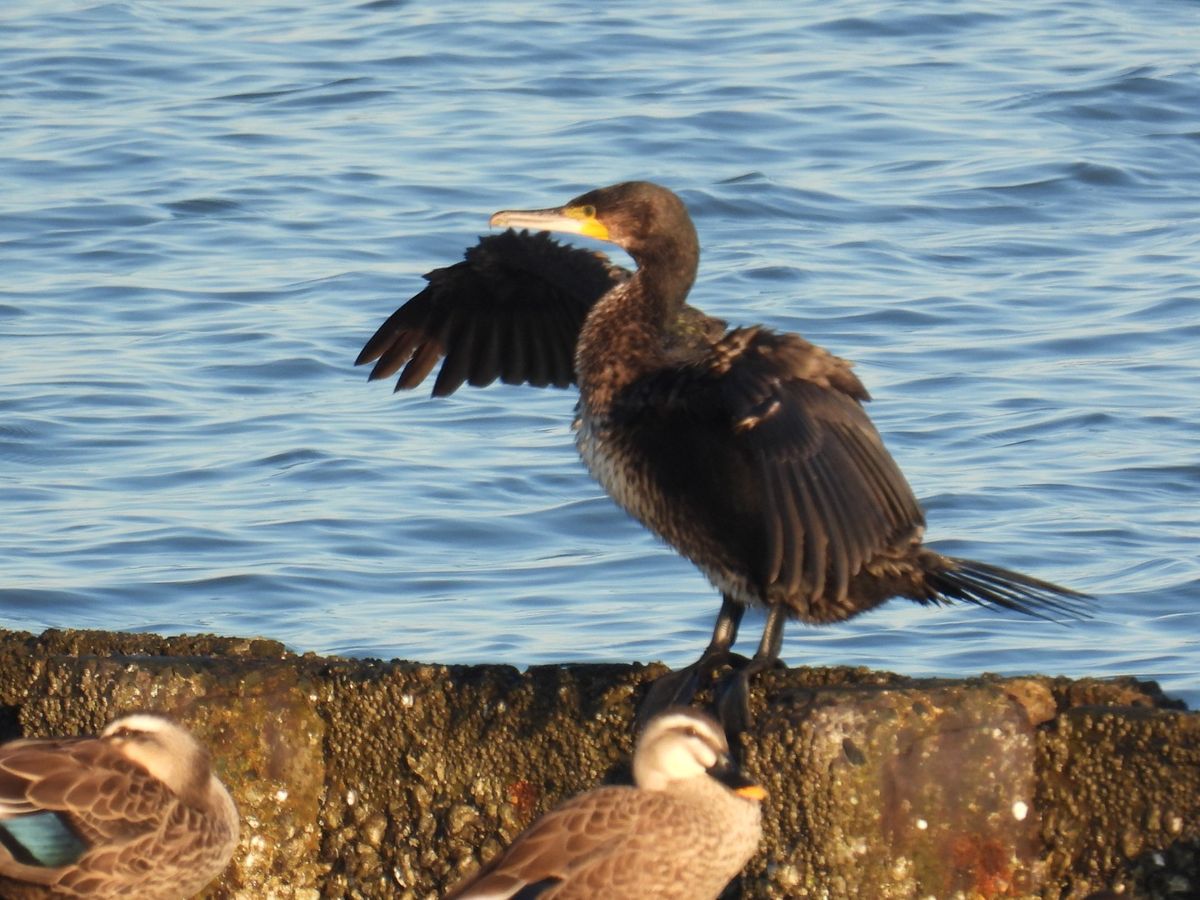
column 206, row 208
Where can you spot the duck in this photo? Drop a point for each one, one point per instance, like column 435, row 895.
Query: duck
column 685, row 828
column 135, row 811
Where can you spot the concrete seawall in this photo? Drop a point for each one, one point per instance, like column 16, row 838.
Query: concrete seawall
column 358, row 778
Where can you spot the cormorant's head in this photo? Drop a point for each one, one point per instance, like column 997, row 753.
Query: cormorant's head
column 644, row 219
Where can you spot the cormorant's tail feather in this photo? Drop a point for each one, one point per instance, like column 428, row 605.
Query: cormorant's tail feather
column 987, row 585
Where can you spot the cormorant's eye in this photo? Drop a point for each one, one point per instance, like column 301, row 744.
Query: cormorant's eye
column 588, row 211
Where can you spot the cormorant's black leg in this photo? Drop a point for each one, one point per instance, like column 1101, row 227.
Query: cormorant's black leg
column 771, row 644
column 733, row 702
column 681, row 686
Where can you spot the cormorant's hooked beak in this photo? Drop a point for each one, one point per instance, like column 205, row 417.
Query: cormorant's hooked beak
column 725, row 771
column 569, row 219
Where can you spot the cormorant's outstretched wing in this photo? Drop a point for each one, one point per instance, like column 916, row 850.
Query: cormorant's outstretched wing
column 764, row 436
column 512, row 309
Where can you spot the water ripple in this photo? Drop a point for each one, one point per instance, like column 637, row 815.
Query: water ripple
column 991, row 209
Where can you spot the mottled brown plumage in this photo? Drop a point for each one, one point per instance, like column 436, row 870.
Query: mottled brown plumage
column 747, row 450
column 686, row 829
column 134, row 812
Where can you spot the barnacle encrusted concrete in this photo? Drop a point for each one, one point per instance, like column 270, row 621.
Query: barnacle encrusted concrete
column 363, row 779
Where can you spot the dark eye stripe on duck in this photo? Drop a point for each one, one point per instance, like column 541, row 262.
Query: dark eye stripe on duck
column 748, row 450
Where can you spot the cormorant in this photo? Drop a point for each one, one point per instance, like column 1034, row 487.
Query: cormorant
column 747, row 450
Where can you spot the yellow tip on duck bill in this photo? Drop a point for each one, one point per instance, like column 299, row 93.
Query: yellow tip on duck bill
column 569, row 219
column 752, row 792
